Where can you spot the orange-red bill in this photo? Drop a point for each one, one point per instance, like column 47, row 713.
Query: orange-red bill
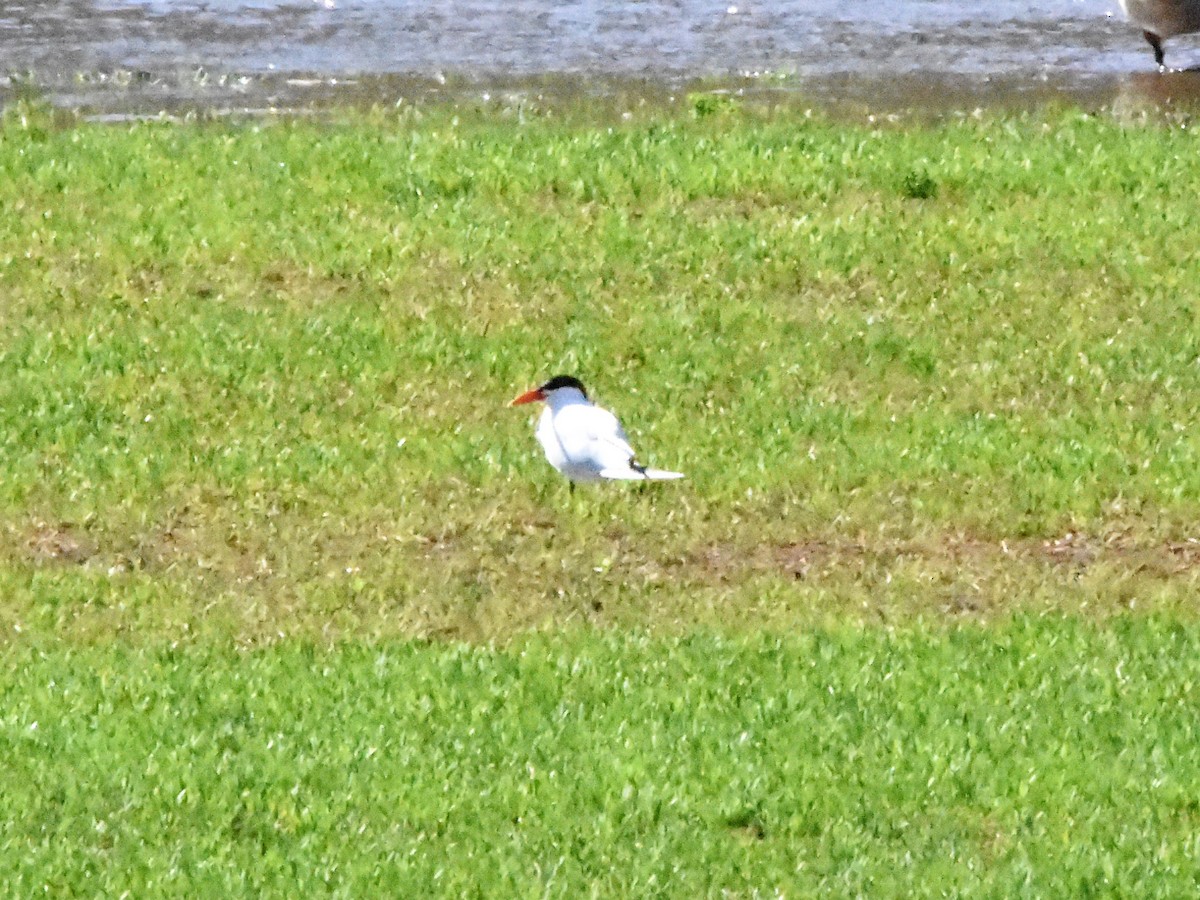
column 529, row 397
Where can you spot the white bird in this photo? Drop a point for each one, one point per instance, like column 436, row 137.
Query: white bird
column 583, row 441
column 1161, row 19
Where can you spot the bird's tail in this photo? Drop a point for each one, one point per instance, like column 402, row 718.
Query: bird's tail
column 639, row 473
column 660, row 475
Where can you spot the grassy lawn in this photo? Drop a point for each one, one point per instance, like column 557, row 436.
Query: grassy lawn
column 1041, row 757
column 298, row 608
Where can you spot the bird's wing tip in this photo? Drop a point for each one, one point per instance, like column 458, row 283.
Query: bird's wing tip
column 622, row 474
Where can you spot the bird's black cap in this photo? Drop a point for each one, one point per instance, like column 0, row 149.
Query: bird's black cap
column 563, row 381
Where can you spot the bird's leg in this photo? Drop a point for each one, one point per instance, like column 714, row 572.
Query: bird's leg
column 572, row 488
column 1158, row 47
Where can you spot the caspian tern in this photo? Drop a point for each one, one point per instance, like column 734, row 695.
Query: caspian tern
column 1161, row 19
column 583, row 441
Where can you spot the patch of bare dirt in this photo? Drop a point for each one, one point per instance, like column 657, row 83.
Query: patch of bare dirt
column 174, row 546
column 63, row 543
column 1073, row 550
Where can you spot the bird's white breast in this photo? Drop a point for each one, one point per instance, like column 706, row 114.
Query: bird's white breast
column 582, row 440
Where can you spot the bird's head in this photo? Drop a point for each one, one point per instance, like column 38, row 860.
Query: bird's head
column 558, row 386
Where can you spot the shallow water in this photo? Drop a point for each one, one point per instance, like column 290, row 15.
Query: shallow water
column 147, row 55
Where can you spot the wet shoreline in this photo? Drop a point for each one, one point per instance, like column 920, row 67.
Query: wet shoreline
column 126, row 95
column 114, row 60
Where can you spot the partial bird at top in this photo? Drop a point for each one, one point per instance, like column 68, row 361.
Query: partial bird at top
column 1161, row 19
column 582, row 440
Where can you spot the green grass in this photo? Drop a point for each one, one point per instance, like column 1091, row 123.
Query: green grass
column 259, row 372
column 1041, row 757
column 290, row 604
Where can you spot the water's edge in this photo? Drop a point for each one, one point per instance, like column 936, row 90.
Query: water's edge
column 137, row 58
